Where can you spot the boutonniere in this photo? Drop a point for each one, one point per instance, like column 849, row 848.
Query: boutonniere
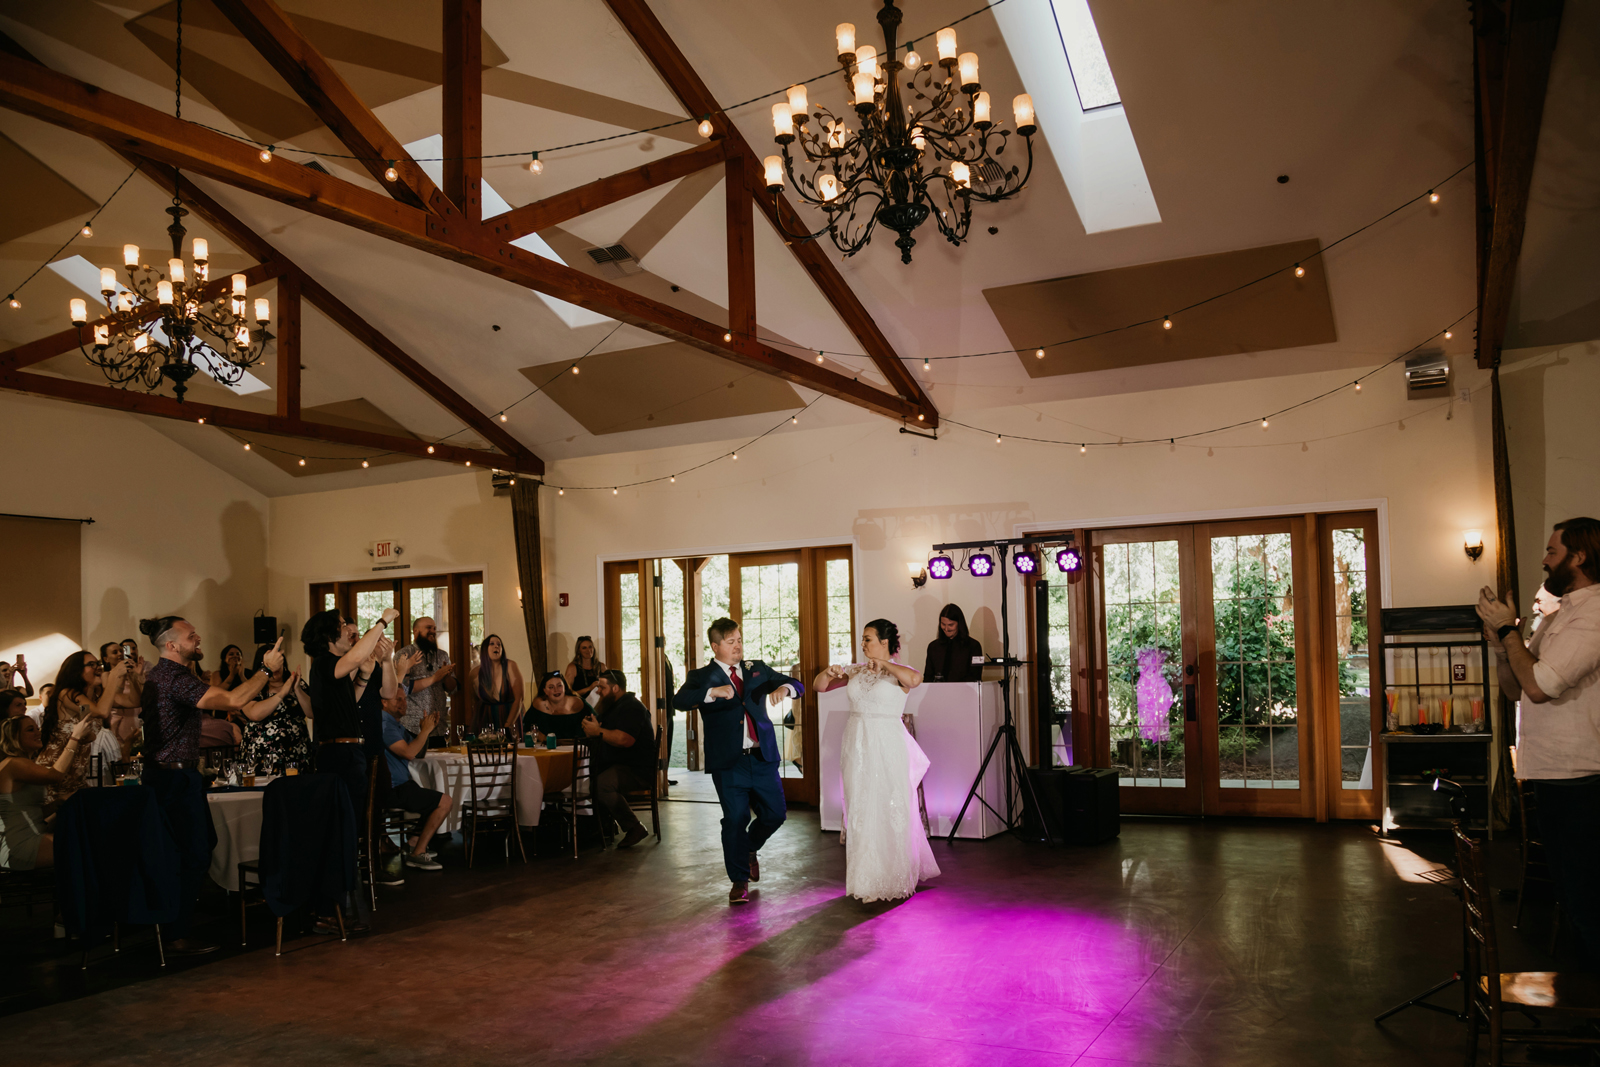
column 744, row 665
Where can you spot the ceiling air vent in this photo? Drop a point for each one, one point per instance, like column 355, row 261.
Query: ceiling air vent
column 314, row 165
column 1427, row 375
column 990, row 173
column 615, row 260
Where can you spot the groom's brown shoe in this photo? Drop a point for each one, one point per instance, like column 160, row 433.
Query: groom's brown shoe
column 755, row 868
column 739, row 894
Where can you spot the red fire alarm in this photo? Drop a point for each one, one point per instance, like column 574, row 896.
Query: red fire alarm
column 562, row 599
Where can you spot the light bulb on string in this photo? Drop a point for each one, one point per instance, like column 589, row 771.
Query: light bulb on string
column 364, row 464
column 1263, row 424
column 1358, row 387
column 87, row 231
column 12, row 302
column 1038, row 353
column 502, row 416
column 1166, row 324
column 613, row 492
column 1299, row 271
column 997, row 438
column 1449, row 334
column 201, row 420
column 247, row 446
column 919, row 416
column 926, row 365
column 535, row 165
column 430, row 450
column 704, row 129
column 819, row 358
column 735, row 456
column 1082, row 449
column 574, row 368
column 726, row 337
column 266, row 154
column 302, row 461
column 1433, row 197
column 561, row 492
column 391, row 175
column 673, row 479
column 794, row 420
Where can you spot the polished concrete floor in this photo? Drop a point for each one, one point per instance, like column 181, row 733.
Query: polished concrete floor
column 1181, row 943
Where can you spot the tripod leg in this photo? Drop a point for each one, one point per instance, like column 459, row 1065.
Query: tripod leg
column 1417, row 1001
column 977, row 783
column 1014, row 749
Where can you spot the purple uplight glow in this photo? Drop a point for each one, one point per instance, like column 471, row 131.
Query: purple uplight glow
column 1068, row 560
column 980, row 565
column 1026, row 563
column 1154, row 695
column 941, row 567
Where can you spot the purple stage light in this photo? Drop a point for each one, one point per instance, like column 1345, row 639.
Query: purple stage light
column 980, row 565
column 1068, row 560
column 1026, row 563
column 941, row 567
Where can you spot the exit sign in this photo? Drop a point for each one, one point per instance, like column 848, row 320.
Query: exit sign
column 383, row 551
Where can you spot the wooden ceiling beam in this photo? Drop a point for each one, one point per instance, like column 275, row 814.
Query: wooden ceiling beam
column 289, row 346
column 675, row 69
column 325, row 91
column 463, row 106
column 237, row 231
column 741, row 252
column 1514, row 44
column 165, row 407
column 132, row 127
column 560, row 207
column 26, row 355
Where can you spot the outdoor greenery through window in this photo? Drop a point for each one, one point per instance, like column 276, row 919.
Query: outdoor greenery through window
column 475, row 613
column 672, row 618
column 1258, row 744
column 841, row 628
column 1144, row 662
column 1355, row 674
column 713, row 600
column 370, row 606
column 1060, row 637
column 770, row 613
column 629, row 602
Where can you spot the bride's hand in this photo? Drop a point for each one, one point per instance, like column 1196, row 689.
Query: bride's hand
column 834, row 671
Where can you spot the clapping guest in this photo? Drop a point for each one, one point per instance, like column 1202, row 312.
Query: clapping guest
column 497, row 683
column 24, row 843
column 585, row 669
column 556, row 710
column 429, row 681
column 82, row 692
column 275, row 726
column 231, row 675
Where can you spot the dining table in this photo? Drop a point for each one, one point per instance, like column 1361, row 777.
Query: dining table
column 236, row 815
column 540, row 771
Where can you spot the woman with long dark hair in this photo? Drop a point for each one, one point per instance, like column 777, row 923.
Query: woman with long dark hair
column 886, row 850
column 231, row 674
column 275, row 732
column 955, row 655
column 496, row 684
column 556, row 710
column 585, row 669
column 82, row 691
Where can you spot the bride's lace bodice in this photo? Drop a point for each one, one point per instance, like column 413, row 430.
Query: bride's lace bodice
column 874, row 692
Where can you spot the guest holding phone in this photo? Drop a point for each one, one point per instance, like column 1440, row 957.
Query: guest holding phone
column 83, row 692
column 24, row 842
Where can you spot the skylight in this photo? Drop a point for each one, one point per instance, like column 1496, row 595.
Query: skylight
column 1091, row 72
column 79, row 272
column 1063, row 66
column 495, row 204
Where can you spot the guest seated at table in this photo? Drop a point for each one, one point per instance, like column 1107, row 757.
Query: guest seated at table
column 556, row 710
column 275, row 726
column 83, row 692
column 496, row 682
column 952, row 655
column 430, row 805
column 624, row 755
column 24, row 842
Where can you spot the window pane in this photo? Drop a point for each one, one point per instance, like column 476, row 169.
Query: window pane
column 1144, row 662
column 1350, row 647
column 1253, row 610
column 713, row 600
column 475, row 613
column 432, row 602
column 1059, row 633
column 841, row 626
column 629, row 605
column 371, row 605
column 673, row 617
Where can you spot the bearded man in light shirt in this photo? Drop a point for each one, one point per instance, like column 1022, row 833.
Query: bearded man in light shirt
column 1556, row 678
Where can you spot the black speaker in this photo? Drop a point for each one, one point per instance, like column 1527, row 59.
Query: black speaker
column 1049, row 786
column 266, row 629
column 1092, row 811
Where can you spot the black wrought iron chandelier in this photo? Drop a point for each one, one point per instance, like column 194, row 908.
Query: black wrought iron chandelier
column 173, row 325
column 933, row 156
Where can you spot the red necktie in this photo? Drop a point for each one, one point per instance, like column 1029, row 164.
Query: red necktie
column 749, row 720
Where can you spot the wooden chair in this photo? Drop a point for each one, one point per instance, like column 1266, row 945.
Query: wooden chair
column 381, row 821
column 576, row 798
column 492, row 795
column 252, row 869
column 1535, row 862
column 1492, row 993
column 649, row 799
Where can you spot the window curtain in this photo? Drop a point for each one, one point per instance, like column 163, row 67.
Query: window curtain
column 1505, row 568
column 530, row 574
column 43, row 616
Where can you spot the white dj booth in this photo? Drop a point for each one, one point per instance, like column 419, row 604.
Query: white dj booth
column 954, row 722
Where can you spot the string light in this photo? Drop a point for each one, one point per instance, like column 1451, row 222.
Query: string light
column 563, row 492
column 613, row 491
column 536, row 165
column 574, row 368
column 302, row 461
column 1166, row 323
column 1263, row 424
column 502, row 416
column 919, row 416
column 391, row 174
column 794, row 420
column 925, row 364
column 1082, row 449
column 12, row 302
column 469, row 462
column 266, row 154
column 1299, row 271
column 430, row 450
column 673, row 479
column 1449, row 334
column 1433, row 197
column 735, row 456
column 727, row 337
column 247, row 446
column 201, row 420
column 997, row 438
column 364, row 464
column 87, row 231
column 1038, row 354
column 704, row 129
column 1358, row 387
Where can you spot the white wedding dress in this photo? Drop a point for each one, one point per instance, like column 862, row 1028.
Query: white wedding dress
column 886, row 850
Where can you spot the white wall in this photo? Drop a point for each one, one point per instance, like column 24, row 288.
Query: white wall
column 448, row 524
column 172, row 533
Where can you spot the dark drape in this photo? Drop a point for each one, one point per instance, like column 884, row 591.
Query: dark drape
column 530, row 571
column 1505, row 570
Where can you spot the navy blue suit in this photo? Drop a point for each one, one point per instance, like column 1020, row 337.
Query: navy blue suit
column 745, row 781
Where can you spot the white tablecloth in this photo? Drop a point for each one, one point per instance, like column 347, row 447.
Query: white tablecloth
column 237, row 817
column 447, row 773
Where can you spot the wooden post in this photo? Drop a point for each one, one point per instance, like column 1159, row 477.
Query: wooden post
column 289, row 346
column 741, row 255
column 463, row 106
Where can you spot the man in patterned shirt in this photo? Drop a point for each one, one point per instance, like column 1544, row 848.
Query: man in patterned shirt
column 428, row 682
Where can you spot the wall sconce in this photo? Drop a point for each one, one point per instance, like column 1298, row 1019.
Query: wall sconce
column 1473, row 544
column 919, row 573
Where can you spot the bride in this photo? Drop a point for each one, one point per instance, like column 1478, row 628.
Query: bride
column 886, row 851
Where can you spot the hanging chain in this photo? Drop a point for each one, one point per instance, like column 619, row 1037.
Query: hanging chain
column 177, row 81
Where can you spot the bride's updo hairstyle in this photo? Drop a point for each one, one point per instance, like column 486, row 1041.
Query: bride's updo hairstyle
column 887, row 632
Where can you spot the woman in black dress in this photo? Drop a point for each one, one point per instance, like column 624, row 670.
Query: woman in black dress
column 951, row 654
column 497, row 683
column 585, row 669
column 556, row 710
column 275, row 726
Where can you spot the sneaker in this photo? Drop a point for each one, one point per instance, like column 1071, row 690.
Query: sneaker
column 424, row 862
column 386, row 877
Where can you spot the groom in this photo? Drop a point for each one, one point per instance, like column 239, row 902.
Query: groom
column 741, row 747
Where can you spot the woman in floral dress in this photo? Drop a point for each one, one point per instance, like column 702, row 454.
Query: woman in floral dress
column 82, row 690
column 275, row 728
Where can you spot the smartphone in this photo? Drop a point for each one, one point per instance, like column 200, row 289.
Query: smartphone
column 130, row 652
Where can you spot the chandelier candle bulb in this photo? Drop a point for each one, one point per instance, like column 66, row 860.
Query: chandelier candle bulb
column 1022, row 112
column 239, row 281
column 798, row 104
column 124, row 301
column 845, row 35
column 864, row 86
column 141, row 342
column 202, row 250
column 919, row 141
column 836, row 134
column 242, row 338
column 108, row 280
column 980, row 111
column 782, row 123
column 828, row 186
column 945, row 41
column 175, row 271
column 960, row 174
column 968, row 66
column 773, row 165
column 164, row 293
column 262, row 309
column 867, row 60
column 80, row 310
column 130, row 256
column 102, row 336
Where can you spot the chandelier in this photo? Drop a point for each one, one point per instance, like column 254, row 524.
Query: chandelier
column 169, row 325
column 905, row 162
column 173, row 325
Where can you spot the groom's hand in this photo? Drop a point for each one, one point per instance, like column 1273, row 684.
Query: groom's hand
column 722, row 692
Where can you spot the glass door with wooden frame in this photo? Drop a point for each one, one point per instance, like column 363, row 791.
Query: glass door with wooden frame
column 1348, row 546
column 1253, row 687
column 1144, row 618
column 766, row 588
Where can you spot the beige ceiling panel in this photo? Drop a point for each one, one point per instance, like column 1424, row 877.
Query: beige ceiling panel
column 35, row 196
column 1281, row 312
column 323, row 457
column 659, row 385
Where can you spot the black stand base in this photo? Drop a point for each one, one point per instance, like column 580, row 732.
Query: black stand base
column 1016, row 769
column 1420, row 1001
